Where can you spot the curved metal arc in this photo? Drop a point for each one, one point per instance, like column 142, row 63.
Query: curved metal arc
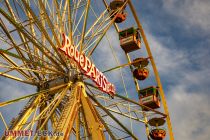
column 154, row 68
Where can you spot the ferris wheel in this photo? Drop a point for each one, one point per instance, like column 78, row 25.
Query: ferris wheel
column 87, row 60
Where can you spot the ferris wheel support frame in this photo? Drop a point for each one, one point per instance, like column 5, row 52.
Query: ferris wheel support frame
column 154, row 68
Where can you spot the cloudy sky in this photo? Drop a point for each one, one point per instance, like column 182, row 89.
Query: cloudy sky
column 179, row 35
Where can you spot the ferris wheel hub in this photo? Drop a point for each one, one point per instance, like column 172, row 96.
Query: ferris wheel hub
column 72, row 76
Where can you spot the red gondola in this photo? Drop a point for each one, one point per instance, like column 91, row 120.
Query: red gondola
column 114, row 6
column 141, row 73
column 157, row 134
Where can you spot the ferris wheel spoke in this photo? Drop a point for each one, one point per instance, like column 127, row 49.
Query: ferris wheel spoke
column 131, row 109
column 85, row 125
column 35, row 50
column 108, row 9
column 65, row 10
column 97, row 21
column 122, row 97
column 84, row 25
column 45, row 121
column 76, row 6
column 76, row 26
column 59, row 15
column 90, row 52
column 17, row 79
column 42, row 63
column 14, row 45
column 33, row 119
column 104, row 32
column 11, row 62
column 106, row 29
column 32, row 95
column 39, row 24
column 70, row 22
column 105, row 125
column 21, row 69
column 20, row 34
column 113, row 117
column 122, row 108
column 39, row 46
column 18, row 68
column 100, row 21
column 121, row 66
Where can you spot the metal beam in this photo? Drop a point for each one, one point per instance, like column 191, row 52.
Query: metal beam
column 84, row 25
column 31, row 95
column 112, row 116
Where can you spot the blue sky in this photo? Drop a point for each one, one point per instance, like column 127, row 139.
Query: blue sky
column 179, row 36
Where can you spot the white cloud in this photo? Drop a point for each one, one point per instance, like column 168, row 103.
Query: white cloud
column 188, row 101
column 189, row 113
column 167, row 58
column 195, row 12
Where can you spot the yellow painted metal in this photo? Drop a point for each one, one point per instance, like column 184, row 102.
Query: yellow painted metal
column 89, row 38
column 42, row 28
column 62, row 94
column 58, row 12
column 78, row 125
column 154, row 68
column 121, row 66
column 6, row 31
column 11, row 68
column 14, row 64
column 106, row 29
column 71, row 116
column 2, row 118
column 20, row 28
column 23, row 120
column 16, row 78
column 70, row 22
column 36, row 51
column 33, row 120
column 31, row 95
column 48, row 108
column 4, row 52
column 68, row 117
column 53, row 31
column 84, row 25
column 23, row 39
column 108, row 9
column 87, row 131
column 93, row 121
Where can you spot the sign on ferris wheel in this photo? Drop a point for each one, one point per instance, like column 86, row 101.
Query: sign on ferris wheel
column 87, row 67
